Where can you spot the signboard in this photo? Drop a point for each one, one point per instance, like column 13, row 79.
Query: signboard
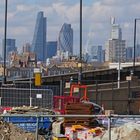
column 76, row 89
column 39, row 96
column 67, row 85
column 37, row 70
column 128, row 78
column 37, row 79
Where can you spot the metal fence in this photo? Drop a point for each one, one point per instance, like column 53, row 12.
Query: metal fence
column 26, row 96
column 109, row 120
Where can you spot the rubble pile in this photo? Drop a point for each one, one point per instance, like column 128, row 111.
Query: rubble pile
column 128, row 131
column 9, row 131
column 29, row 110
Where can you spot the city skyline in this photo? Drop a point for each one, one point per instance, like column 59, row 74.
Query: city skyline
column 96, row 19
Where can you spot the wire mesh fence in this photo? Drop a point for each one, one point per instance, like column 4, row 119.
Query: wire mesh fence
column 25, row 96
column 107, row 132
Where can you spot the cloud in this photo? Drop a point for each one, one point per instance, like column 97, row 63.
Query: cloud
column 96, row 18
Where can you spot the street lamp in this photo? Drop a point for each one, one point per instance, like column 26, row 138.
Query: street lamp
column 80, row 62
column 135, row 35
column 5, row 36
column 30, row 88
column 119, row 65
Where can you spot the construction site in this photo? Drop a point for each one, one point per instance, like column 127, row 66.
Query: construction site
column 73, row 81
column 82, row 112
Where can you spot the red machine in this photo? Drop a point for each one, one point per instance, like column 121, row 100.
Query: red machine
column 61, row 101
column 84, row 87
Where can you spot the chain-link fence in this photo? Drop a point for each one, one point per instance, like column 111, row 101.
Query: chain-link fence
column 26, row 96
column 109, row 123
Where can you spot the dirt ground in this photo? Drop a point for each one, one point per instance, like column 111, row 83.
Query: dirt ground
column 128, row 131
column 10, row 132
column 134, row 135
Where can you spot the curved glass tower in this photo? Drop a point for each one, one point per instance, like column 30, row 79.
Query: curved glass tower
column 65, row 39
column 39, row 39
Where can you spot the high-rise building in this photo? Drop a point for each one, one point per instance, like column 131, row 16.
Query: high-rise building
column 51, row 48
column 100, row 54
column 39, row 38
column 115, row 46
column 103, row 53
column 129, row 54
column 26, row 48
column 115, row 50
column 10, row 47
column 96, row 54
column 137, row 50
column 65, row 39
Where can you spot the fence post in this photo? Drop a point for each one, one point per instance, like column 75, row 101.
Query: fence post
column 96, row 91
column 37, row 126
column 30, row 91
column 109, row 127
column 129, row 97
column 112, row 95
column 0, row 101
column 61, row 87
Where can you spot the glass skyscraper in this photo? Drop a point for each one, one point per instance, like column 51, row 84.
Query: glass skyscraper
column 65, row 39
column 39, row 38
column 10, row 47
column 51, row 48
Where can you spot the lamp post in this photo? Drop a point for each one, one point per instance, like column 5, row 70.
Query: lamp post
column 30, row 89
column 135, row 35
column 119, row 66
column 5, row 36
column 80, row 61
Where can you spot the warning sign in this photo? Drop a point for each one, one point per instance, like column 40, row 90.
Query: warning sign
column 37, row 79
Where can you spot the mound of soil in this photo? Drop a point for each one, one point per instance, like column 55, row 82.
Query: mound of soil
column 9, row 131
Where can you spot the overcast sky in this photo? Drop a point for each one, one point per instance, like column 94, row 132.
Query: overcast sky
column 96, row 19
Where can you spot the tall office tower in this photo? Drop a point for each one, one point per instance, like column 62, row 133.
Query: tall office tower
column 129, row 54
column 39, row 38
column 51, row 48
column 137, row 51
column 65, row 39
column 10, row 47
column 93, row 53
column 115, row 50
column 103, row 52
column 96, row 53
column 115, row 46
column 116, row 32
column 26, row 48
column 100, row 54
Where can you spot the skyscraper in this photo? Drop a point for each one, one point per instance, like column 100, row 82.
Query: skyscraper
column 96, row 53
column 26, row 48
column 51, row 48
column 129, row 54
column 65, row 39
column 39, row 38
column 115, row 46
column 10, row 47
column 115, row 50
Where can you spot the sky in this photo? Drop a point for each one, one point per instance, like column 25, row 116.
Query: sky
column 96, row 19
